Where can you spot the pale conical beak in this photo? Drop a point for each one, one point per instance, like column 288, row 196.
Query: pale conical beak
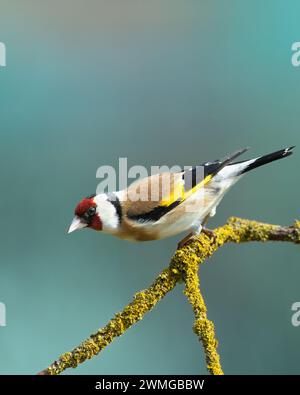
column 76, row 224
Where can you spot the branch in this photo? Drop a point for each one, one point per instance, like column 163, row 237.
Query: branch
column 183, row 267
column 203, row 328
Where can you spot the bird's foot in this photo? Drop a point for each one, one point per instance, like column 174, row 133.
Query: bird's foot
column 209, row 233
column 190, row 238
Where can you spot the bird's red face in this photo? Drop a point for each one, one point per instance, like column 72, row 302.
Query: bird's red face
column 86, row 215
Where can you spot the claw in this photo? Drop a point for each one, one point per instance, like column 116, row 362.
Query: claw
column 209, row 233
column 190, row 238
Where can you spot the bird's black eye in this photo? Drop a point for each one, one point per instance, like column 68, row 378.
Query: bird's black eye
column 91, row 211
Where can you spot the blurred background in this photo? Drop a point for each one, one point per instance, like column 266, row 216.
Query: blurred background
column 161, row 82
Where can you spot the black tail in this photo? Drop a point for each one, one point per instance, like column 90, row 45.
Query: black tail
column 262, row 160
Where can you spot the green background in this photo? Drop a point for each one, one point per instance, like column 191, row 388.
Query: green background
column 160, row 82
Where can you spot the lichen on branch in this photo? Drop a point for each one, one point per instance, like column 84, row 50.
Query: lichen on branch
column 184, row 267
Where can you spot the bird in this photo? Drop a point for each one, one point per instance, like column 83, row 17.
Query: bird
column 167, row 204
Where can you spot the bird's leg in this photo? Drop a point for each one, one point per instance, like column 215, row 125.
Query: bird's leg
column 208, row 232
column 193, row 236
column 190, row 238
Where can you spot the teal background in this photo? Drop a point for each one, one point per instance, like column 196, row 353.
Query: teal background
column 160, row 82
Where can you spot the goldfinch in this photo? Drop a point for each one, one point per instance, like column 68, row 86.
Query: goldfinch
column 171, row 203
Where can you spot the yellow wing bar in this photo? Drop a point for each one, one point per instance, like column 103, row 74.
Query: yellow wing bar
column 179, row 193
